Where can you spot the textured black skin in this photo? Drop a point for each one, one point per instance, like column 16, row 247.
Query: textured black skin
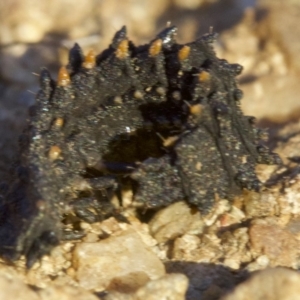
column 105, row 141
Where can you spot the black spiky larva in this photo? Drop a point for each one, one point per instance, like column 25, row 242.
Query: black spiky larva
column 164, row 117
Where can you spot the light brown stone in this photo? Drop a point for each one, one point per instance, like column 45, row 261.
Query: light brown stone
column 270, row 284
column 173, row 221
column 123, row 255
column 128, row 283
column 65, row 293
column 170, row 286
column 13, row 288
column 277, row 243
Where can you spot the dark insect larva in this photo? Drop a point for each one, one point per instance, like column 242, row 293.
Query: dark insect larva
column 161, row 117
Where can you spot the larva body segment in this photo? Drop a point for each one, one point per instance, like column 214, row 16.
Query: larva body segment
column 163, row 117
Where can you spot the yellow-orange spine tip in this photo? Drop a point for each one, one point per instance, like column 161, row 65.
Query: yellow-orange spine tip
column 89, row 60
column 155, row 47
column 196, row 109
column 184, row 52
column 204, row 76
column 122, row 50
column 63, row 78
column 170, row 141
column 59, row 122
column 54, row 153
